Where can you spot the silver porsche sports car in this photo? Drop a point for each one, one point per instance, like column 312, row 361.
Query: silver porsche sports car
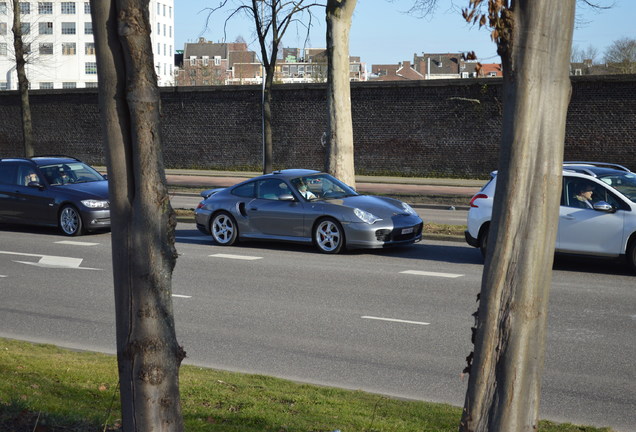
column 306, row 206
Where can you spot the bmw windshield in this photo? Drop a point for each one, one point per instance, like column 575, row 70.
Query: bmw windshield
column 70, row 172
column 625, row 183
column 322, row 186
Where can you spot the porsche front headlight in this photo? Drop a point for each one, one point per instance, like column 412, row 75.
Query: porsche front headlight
column 365, row 216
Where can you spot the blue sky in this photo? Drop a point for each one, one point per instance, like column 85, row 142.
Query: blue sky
column 381, row 33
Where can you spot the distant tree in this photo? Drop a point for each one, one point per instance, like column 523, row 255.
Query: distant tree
column 23, row 81
column 580, row 55
column 271, row 19
column 142, row 220
column 621, row 56
column 534, row 40
column 340, row 128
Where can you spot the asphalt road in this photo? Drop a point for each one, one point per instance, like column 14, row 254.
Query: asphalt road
column 395, row 322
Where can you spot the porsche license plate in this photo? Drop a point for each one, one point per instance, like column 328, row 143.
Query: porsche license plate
column 407, row 230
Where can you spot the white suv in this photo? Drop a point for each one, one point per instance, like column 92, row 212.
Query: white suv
column 604, row 227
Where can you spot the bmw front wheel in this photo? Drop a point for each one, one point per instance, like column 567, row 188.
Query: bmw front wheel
column 71, row 221
column 223, row 228
column 329, row 236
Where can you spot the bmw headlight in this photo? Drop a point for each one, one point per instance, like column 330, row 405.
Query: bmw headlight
column 408, row 209
column 96, row 204
column 365, row 216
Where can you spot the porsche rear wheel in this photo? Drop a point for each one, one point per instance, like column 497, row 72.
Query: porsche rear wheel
column 223, row 228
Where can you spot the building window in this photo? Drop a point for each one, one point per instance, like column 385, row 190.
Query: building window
column 46, row 85
column 68, row 48
column 87, row 8
column 3, row 29
column 45, row 8
column 169, row 11
column 158, row 9
column 170, row 31
column 3, row 8
column 4, row 85
column 3, row 49
column 26, row 28
column 89, row 48
column 46, row 48
column 88, row 28
column 217, row 60
column 46, row 28
column 25, row 8
column 90, row 68
column 68, row 8
column 91, row 84
column 68, row 28
column 69, row 85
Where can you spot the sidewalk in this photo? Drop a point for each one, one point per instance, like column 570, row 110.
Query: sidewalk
column 366, row 184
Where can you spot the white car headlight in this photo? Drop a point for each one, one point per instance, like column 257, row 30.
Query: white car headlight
column 96, row 204
column 365, row 216
column 407, row 208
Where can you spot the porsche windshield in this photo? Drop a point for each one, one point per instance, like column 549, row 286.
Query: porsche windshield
column 322, row 186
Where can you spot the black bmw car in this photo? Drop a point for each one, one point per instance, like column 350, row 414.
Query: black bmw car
column 53, row 191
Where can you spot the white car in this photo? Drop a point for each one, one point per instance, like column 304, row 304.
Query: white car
column 605, row 226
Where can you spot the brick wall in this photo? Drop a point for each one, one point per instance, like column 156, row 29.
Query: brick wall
column 447, row 128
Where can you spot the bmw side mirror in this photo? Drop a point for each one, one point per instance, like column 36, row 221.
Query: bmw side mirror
column 286, row 197
column 36, row 184
column 604, row 207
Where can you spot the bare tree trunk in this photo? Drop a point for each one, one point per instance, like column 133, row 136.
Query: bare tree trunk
column 23, row 81
column 268, row 155
column 505, row 377
column 142, row 219
column 340, row 162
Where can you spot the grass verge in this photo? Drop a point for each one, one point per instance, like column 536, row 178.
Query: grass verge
column 46, row 388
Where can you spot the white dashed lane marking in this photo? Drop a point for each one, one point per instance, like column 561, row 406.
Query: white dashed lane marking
column 395, row 320
column 181, row 296
column 76, row 243
column 434, row 274
column 236, row 257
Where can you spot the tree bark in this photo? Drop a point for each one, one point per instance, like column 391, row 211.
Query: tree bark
column 142, row 219
column 505, row 376
column 268, row 143
column 23, row 81
column 340, row 161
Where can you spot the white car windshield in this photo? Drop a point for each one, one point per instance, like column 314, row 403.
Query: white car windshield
column 625, row 183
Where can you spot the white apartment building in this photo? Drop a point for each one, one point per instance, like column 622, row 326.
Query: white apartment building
column 58, row 37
